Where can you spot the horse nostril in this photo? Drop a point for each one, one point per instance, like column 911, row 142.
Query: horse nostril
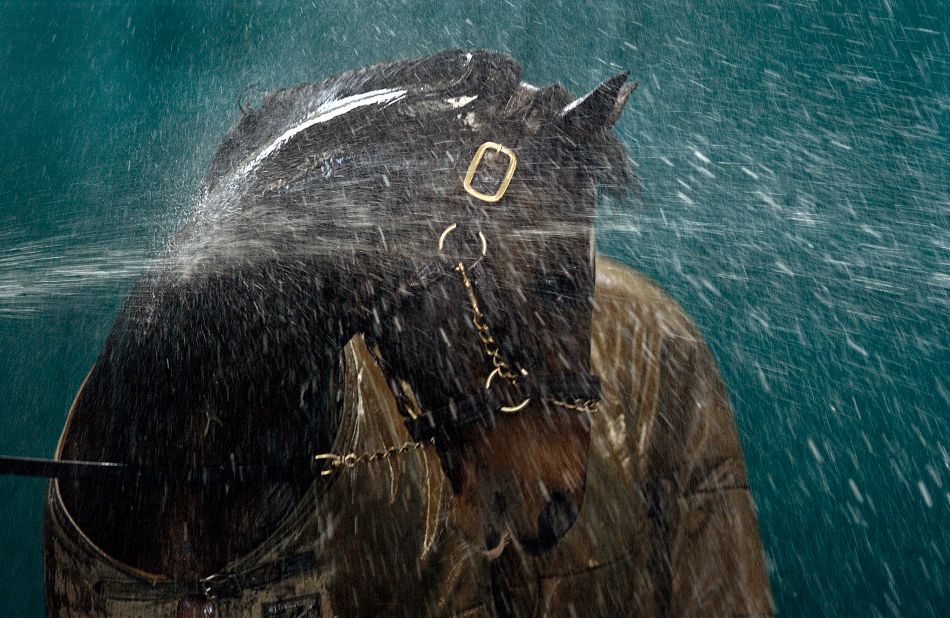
column 492, row 537
column 555, row 519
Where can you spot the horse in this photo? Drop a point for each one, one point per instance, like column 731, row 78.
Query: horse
column 667, row 526
column 438, row 207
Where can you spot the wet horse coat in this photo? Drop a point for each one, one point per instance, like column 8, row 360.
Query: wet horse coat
column 175, row 355
column 667, row 527
column 320, row 218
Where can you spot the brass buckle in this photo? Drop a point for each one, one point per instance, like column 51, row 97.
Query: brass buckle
column 473, row 167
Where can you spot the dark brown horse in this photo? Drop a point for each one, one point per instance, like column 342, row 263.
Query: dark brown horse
column 360, row 205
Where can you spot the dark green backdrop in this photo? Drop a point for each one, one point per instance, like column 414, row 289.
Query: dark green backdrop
column 794, row 159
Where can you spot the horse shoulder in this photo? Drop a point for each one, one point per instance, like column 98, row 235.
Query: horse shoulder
column 659, row 372
column 662, row 385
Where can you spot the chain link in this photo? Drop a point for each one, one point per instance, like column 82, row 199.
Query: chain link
column 349, row 461
column 492, row 349
column 338, row 463
column 577, row 405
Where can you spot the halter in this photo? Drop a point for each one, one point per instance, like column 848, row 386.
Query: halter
column 516, row 388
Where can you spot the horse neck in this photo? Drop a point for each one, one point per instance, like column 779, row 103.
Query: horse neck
column 221, row 364
column 283, row 329
column 237, row 365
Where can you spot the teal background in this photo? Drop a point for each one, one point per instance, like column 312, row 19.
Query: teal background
column 794, row 160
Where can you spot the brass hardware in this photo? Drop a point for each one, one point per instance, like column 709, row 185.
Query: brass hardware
column 335, row 462
column 445, row 234
column 518, row 408
column 578, row 405
column 473, row 167
column 351, row 460
column 491, row 347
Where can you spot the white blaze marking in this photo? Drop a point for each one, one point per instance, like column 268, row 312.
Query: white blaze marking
column 574, row 104
column 327, row 111
column 460, row 101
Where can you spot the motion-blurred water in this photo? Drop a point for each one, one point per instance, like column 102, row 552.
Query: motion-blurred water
column 796, row 196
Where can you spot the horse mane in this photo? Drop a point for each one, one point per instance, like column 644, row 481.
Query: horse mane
column 229, row 344
column 488, row 75
column 393, row 167
column 449, row 73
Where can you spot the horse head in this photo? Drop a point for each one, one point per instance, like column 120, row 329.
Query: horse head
column 455, row 206
column 490, row 327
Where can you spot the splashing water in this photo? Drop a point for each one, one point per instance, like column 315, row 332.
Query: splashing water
column 794, row 162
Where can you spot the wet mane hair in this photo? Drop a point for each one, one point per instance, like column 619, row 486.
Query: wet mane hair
column 449, row 73
column 493, row 78
column 345, row 165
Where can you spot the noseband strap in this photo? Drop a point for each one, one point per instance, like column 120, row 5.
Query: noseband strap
column 445, row 424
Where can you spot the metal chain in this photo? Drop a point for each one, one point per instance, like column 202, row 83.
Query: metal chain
column 492, row 349
column 351, row 460
column 577, row 405
column 338, row 463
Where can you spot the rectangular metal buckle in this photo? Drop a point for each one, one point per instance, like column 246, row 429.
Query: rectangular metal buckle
column 473, row 167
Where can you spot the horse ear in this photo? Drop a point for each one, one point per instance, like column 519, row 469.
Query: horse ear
column 600, row 108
